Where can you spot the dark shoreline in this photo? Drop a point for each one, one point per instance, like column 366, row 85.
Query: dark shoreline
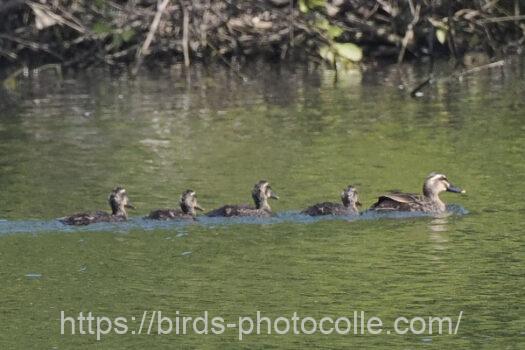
column 80, row 34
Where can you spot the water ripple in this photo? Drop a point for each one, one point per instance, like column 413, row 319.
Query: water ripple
column 138, row 223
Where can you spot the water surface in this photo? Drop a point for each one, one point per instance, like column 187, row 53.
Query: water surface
column 66, row 141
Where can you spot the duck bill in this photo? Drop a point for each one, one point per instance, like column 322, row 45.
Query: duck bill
column 455, row 189
column 199, row 208
column 274, row 195
column 130, row 206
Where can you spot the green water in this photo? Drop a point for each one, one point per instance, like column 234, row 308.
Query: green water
column 66, row 141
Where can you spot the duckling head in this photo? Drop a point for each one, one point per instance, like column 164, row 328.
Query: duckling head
column 260, row 194
column 436, row 183
column 119, row 201
column 188, row 203
column 350, row 197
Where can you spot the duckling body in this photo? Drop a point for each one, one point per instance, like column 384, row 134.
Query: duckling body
column 169, row 214
column 187, row 211
column 261, row 192
column 81, row 219
column 349, row 205
column 327, row 208
column 239, row 210
column 118, row 201
column 428, row 202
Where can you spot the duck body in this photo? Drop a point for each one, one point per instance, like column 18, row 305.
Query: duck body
column 428, row 202
column 349, row 199
column 409, row 202
column 169, row 214
column 81, row 219
column 188, row 209
column 239, row 210
column 118, row 201
column 261, row 192
column 328, row 208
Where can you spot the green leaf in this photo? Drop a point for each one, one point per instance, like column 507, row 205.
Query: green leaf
column 348, row 51
column 441, row 35
column 333, row 31
column 307, row 5
column 327, row 54
column 101, row 28
column 315, row 3
column 127, row 35
column 302, row 6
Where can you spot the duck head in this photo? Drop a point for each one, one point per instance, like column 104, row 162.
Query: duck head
column 188, row 203
column 350, row 197
column 261, row 192
column 436, row 183
column 119, row 201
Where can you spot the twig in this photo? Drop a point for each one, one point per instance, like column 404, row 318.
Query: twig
column 43, row 10
column 121, row 53
column 516, row 12
column 480, row 68
column 489, row 4
column 291, row 24
column 418, row 88
column 371, row 27
column 185, row 24
column 451, row 35
column 143, row 50
column 409, row 35
column 458, row 75
column 501, row 19
column 30, row 45
column 8, row 54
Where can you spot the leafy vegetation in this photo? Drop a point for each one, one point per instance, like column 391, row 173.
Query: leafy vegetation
column 80, row 33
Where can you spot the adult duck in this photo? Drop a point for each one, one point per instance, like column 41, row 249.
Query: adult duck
column 428, row 202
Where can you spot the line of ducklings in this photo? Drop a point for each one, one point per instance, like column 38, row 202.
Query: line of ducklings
column 428, row 201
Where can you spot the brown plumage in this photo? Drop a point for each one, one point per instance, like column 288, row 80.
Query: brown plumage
column 261, row 192
column 429, row 201
column 118, row 201
column 188, row 206
column 349, row 198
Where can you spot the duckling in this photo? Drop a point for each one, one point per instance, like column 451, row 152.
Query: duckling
column 349, row 197
column 261, row 192
column 118, row 201
column 428, row 202
column 188, row 205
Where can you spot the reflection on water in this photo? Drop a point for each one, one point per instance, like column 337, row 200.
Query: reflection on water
column 66, row 142
column 439, row 225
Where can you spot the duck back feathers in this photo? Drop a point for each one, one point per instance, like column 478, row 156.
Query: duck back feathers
column 238, row 210
column 328, row 208
column 82, row 219
column 188, row 206
column 349, row 198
